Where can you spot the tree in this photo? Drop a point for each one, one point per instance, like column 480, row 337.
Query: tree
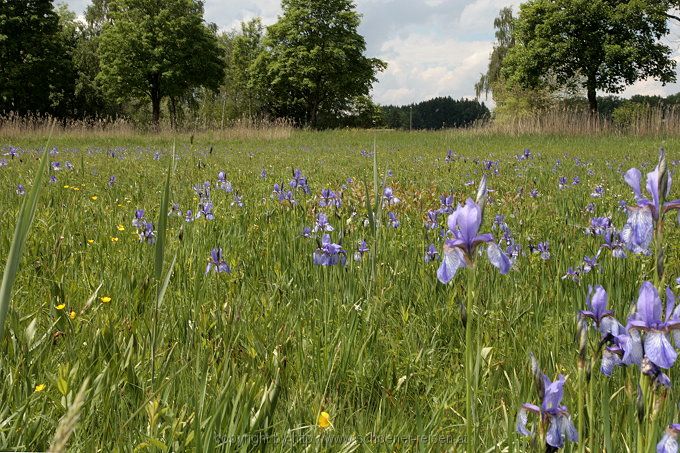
column 592, row 44
column 505, row 39
column 35, row 67
column 246, row 46
column 314, row 61
column 157, row 49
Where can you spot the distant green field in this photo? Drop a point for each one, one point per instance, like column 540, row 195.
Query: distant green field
column 254, row 355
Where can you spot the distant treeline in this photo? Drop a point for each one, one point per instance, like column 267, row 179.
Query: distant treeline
column 437, row 113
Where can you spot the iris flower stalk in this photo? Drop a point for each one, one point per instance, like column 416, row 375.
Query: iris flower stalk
column 460, row 251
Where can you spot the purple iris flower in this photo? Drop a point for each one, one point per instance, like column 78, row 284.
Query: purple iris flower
column 238, row 201
column 206, row 210
column 449, row 156
column 551, row 411
column 590, row 263
column 572, row 274
column 533, row 193
column 599, row 225
column 647, row 320
column 56, row 166
column 146, row 233
column 388, row 196
column 543, row 248
column 669, row 441
column 156, row 155
column 590, row 207
column 299, row 181
column 138, row 221
column 322, row 223
column 470, row 183
column 361, row 249
column 576, row 181
column 329, row 253
column 513, row 251
column 432, row 222
column 189, row 217
column 283, row 195
column 3, row 163
column 654, row 207
column 222, row 182
column 446, row 204
column 112, row 181
column 263, row 174
column 598, row 192
column 175, row 210
column 596, row 301
column 306, row 232
column 68, row 165
column 460, row 248
column 563, row 182
column 431, row 253
column 329, row 198
column 216, row 262
column 638, row 232
column 394, row 222
column 53, row 179
column 54, row 151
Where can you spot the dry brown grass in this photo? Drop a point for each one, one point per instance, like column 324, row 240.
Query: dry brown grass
column 15, row 127
column 645, row 121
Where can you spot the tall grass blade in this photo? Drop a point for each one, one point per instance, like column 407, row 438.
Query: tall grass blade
column 25, row 218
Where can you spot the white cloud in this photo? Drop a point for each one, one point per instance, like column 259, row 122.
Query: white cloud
column 424, row 66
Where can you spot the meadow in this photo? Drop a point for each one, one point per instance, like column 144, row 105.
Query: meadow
column 103, row 350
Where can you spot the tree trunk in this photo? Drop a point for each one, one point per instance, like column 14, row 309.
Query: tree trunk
column 592, row 97
column 173, row 113
column 156, row 112
column 155, row 102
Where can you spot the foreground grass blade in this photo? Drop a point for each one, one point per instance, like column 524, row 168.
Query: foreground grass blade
column 25, row 218
column 158, row 265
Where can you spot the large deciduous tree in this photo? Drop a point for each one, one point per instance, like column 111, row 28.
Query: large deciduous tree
column 591, row 44
column 156, row 49
column 35, row 68
column 314, row 63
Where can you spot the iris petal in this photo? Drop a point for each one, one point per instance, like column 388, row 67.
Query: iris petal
column 659, row 349
column 498, row 258
column 452, row 260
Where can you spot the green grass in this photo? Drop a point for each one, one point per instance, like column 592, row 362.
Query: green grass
column 263, row 350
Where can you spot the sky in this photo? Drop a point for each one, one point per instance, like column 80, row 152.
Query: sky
column 432, row 47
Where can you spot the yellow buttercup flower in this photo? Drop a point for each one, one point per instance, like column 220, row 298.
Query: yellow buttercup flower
column 90, row 241
column 93, row 198
column 105, row 299
column 114, row 239
column 66, row 186
column 120, row 228
column 324, row 420
column 60, row 306
column 40, row 387
column 72, row 314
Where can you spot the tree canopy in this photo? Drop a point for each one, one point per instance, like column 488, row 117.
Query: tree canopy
column 589, row 44
column 158, row 49
column 35, row 67
column 313, row 62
